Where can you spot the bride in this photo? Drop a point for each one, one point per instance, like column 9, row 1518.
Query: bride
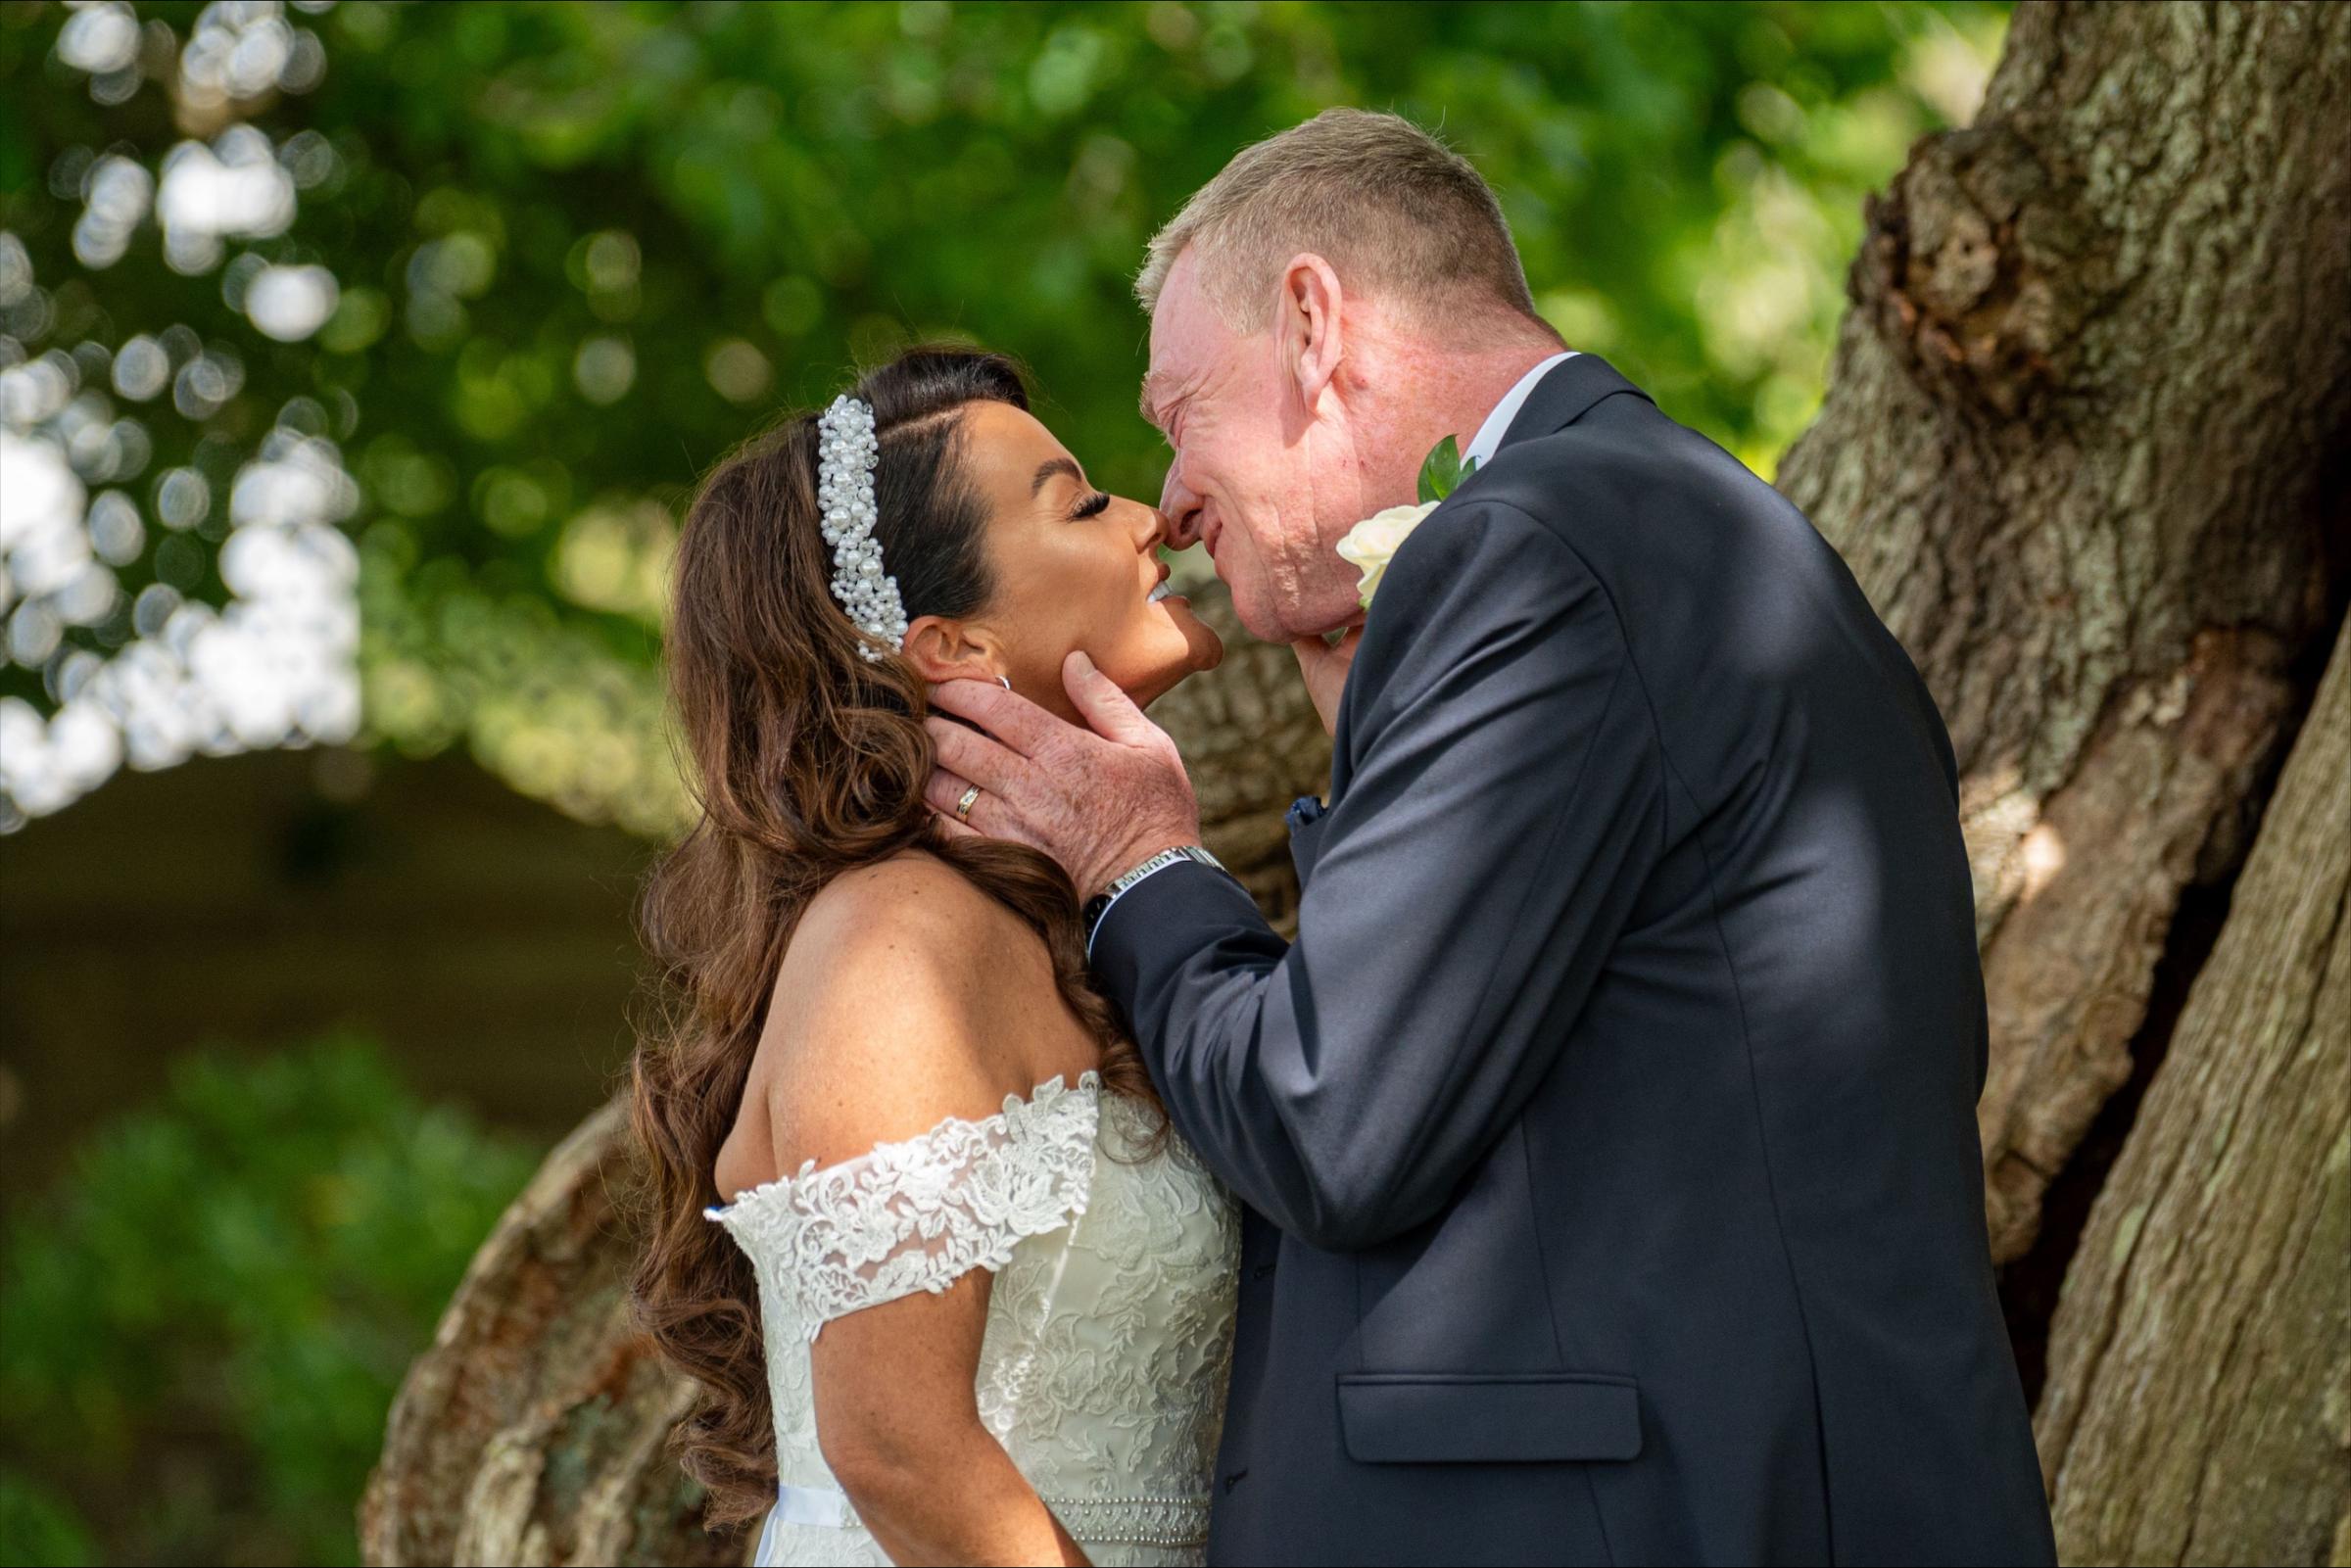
column 951, row 1288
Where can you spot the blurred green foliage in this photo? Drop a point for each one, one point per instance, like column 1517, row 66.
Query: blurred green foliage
column 202, row 1326
column 584, row 249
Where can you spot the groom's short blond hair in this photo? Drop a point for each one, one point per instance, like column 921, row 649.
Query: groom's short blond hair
column 1395, row 211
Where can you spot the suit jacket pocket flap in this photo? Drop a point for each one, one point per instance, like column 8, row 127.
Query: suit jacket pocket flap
column 1470, row 1418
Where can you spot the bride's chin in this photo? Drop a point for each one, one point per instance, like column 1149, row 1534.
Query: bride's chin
column 1208, row 656
column 1203, row 649
column 1197, row 660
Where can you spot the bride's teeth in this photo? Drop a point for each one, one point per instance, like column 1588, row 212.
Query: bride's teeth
column 1158, row 592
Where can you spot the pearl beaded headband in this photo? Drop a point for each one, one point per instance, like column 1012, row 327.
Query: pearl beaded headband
column 846, row 452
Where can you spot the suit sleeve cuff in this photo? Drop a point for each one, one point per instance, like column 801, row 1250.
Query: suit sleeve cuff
column 1166, row 917
column 1120, row 898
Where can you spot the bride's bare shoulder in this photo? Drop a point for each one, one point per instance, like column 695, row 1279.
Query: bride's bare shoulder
column 906, row 995
column 909, row 920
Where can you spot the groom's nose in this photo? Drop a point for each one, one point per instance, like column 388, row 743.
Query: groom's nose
column 1182, row 509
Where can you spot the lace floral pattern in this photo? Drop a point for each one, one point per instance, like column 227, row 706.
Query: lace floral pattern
column 1103, row 1366
column 919, row 1216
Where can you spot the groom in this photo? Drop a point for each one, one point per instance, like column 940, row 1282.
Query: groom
column 1608, row 1134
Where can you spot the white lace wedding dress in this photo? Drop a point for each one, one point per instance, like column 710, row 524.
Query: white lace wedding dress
column 1109, row 1327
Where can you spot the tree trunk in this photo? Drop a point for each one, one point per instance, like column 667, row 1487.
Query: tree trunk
column 2076, row 447
column 536, row 1429
column 2199, row 1400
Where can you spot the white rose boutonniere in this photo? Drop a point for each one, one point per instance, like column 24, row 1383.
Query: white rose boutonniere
column 1370, row 544
column 1373, row 543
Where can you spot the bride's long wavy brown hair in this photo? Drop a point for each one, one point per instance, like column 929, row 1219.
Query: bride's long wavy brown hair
column 806, row 761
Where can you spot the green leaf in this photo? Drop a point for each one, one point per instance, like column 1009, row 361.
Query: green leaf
column 1442, row 471
column 625, row 179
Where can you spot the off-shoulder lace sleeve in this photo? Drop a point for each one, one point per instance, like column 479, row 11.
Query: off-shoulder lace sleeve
column 918, row 1215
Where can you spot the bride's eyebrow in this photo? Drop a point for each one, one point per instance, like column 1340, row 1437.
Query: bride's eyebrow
column 1049, row 468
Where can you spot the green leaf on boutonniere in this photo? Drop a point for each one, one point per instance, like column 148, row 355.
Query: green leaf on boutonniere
column 1442, row 471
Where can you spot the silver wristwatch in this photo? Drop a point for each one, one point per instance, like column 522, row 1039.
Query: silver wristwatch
column 1099, row 905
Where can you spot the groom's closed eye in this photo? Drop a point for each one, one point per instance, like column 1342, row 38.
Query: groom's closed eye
column 1162, row 408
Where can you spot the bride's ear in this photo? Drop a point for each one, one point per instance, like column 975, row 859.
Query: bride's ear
column 942, row 649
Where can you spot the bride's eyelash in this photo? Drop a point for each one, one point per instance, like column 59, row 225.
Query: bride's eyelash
column 1093, row 505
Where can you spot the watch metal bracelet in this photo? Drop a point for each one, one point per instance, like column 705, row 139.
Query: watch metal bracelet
column 1099, row 905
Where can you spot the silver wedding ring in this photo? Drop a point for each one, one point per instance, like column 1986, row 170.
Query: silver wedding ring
column 963, row 806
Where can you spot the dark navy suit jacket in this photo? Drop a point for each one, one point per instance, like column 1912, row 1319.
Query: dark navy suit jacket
column 1608, row 1135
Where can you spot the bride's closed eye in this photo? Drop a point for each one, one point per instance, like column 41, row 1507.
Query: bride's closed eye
column 1093, row 505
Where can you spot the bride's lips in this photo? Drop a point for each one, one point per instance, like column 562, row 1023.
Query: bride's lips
column 1161, row 589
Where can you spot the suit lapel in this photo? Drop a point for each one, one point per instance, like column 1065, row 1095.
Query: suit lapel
column 1570, row 391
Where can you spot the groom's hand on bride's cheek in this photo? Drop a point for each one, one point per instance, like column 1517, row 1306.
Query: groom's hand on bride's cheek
column 1100, row 801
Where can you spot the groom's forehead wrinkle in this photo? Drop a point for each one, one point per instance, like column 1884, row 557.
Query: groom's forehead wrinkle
column 1163, row 395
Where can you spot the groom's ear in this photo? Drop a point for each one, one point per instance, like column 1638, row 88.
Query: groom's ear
column 1308, row 325
column 942, row 649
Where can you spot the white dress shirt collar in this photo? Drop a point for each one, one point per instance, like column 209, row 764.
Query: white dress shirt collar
column 1497, row 424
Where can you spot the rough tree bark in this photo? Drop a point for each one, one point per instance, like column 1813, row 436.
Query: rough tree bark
column 2083, row 446
column 2076, row 447
column 534, row 1429
column 2199, row 1402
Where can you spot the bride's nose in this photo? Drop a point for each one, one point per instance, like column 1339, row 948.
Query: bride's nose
column 1150, row 528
